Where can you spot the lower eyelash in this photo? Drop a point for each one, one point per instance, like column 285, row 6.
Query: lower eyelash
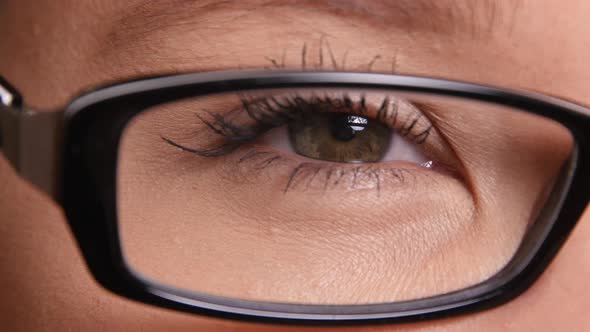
column 318, row 176
column 314, row 176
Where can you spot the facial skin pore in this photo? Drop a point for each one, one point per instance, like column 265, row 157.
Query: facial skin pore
column 53, row 50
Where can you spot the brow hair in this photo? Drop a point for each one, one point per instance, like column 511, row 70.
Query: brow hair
column 450, row 18
column 455, row 17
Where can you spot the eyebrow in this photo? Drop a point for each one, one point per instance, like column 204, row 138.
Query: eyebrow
column 450, row 18
column 444, row 17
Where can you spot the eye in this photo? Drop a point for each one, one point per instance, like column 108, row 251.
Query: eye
column 330, row 133
column 339, row 137
column 387, row 134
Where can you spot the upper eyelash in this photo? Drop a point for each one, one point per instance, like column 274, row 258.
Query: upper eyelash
column 295, row 105
column 270, row 112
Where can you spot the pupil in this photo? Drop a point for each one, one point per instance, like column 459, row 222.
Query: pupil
column 344, row 127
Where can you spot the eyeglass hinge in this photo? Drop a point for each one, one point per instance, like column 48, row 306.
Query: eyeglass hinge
column 30, row 140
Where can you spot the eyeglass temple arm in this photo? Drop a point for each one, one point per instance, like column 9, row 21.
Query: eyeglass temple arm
column 31, row 141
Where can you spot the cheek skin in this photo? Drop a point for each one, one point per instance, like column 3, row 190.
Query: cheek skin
column 48, row 282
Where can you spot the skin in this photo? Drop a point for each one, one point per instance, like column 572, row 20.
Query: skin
column 424, row 230
column 55, row 49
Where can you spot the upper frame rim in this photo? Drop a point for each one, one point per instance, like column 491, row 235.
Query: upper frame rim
column 369, row 80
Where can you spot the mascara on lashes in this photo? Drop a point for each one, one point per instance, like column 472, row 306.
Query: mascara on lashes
column 269, row 112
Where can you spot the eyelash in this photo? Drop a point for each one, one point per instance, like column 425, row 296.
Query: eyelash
column 269, row 112
column 315, row 175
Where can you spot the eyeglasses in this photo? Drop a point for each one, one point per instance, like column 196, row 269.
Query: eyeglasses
column 309, row 196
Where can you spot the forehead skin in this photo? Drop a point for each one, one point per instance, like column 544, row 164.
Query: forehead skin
column 52, row 50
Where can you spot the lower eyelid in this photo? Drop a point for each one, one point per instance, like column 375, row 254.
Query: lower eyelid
column 255, row 163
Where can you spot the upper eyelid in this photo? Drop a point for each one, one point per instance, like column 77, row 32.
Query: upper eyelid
column 269, row 118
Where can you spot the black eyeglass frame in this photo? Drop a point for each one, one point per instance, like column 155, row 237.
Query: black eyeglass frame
column 72, row 155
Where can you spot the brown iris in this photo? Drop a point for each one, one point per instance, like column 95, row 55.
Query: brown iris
column 339, row 137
